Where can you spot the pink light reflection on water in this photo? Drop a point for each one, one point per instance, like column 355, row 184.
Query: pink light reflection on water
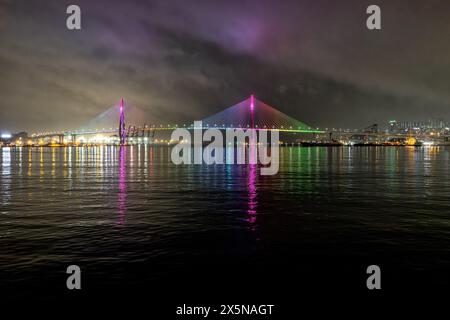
column 252, row 190
column 122, row 195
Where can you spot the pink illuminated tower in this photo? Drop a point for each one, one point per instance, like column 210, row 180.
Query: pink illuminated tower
column 252, row 107
column 122, row 131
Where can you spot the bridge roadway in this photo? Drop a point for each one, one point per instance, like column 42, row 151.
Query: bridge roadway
column 148, row 131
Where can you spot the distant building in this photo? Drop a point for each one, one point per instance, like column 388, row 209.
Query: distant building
column 412, row 125
column 392, row 126
column 15, row 139
column 437, row 123
column 434, row 124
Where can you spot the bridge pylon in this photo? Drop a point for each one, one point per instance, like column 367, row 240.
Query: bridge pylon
column 122, row 131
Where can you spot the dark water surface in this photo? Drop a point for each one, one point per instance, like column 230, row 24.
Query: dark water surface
column 133, row 221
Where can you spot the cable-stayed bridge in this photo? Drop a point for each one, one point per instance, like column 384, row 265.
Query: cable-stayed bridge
column 252, row 113
column 248, row 114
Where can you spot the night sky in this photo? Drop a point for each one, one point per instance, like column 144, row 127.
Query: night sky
column 185, row 60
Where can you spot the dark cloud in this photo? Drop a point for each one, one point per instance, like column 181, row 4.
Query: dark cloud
column 178, row 61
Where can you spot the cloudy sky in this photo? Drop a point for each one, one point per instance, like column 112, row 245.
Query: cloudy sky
column 177, row 61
